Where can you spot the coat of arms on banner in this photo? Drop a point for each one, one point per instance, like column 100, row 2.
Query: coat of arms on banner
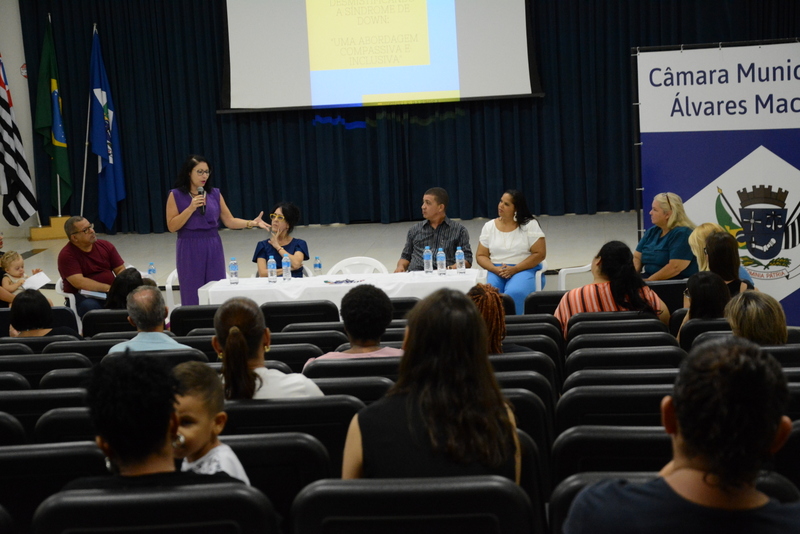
column 758, row 202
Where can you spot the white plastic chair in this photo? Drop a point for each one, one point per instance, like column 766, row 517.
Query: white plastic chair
column 171, row 280
column 358, row 265
column 73, row 305
column 562, row 275
column 537, row 280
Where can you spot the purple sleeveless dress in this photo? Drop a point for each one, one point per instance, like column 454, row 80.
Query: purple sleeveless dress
column 199, row 255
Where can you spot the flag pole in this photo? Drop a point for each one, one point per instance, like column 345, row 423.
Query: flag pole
column 58, row 176
column 86, row 142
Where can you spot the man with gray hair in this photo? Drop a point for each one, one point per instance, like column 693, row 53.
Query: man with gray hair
column 147, row 312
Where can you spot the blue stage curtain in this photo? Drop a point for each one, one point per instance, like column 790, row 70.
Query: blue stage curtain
column 569, row 152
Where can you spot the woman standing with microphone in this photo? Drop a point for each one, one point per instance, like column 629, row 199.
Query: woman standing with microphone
column 194, row 210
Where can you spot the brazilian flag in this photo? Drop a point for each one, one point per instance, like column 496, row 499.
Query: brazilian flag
column 725, row 220
column 49, row 121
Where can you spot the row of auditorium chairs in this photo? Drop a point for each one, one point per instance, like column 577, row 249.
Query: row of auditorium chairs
column 289, row 467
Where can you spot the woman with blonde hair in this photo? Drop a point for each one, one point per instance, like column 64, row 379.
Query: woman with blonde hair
column 697, row 242
column 758, row 317
column 663, row 252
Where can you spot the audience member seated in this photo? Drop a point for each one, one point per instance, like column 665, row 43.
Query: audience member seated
column 490, row 304
column 663, row 253
column 706, row 295
column 445, row 416
column 617, row 286
column 147, row 312
column 87, row 264
column 32, row 316
column 132, row 405
column 366, row 312
column 697, row 242
column 201, row 419
column 241, row 341
column 722, row 251
column 755, row 316
column 124, row 283
column 726, row 419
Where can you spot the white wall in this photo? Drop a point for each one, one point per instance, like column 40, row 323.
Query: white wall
column 14, row 58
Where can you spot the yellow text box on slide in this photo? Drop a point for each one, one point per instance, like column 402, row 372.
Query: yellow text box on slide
column 343, row 34
column 422, row 97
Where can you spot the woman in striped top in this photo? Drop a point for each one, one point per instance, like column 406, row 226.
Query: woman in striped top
column 616, row 287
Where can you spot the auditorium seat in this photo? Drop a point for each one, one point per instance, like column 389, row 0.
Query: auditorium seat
column 123, row 336
column 367, row 389
column 526, row 361
column 465, row 505
column 185, row 318
column 327, row 340
column 202, row 508
column 638, row 405
column 38, row 344
column 543, row 301
column 14, row 348
column 624, row 358
column 533, row 318
column 11, row 381
column 533, row 419
column 402, row 305
column 11, row 431
column 62, row 316
column 94, row 349
column 170, row 357
column 533, row 382
column 31, row 473
column 610, row 448
column 385, row 366
column 620, row 377
column 28, row 405
column 96, row 321
column 66, row 378
column 537, row 328
column 543, row 344
column 314, row 326
column 695, row 327
column 34, row 366
column 627, row 315
column 635, row 339
column 280, row 465
column 787, row 459
column 676, row 320
column 201, row 343
column 295, row 355
column 532, row 479
column 509, row 306
column 279, row 314
column 326, row 418
column 64, row 424
column 788, row 355
column 617, row 326
column 669, row 291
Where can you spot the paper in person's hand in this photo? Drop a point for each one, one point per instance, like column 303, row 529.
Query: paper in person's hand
column 36, row 281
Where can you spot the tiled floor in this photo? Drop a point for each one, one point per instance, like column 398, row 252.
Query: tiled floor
column 572, row 240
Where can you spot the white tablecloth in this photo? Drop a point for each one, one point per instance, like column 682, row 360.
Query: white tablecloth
column 334, row 287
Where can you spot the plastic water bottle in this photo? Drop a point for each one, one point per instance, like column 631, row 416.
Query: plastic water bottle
column 317, row 266
column 286, row 265
column 441, row 262
column 233, row 271
column 427, row 260
column 151, row 270
column 461, row 263
column 272, row 270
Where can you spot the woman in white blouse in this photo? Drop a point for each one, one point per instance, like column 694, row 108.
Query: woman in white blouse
column 511, row 248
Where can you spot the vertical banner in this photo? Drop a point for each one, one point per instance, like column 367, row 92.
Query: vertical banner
column 720, row 126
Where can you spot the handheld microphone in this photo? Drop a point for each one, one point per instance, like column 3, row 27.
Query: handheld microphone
column 201, row 191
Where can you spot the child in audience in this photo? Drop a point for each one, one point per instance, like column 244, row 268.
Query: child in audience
column 14, row 266
column 201, row 419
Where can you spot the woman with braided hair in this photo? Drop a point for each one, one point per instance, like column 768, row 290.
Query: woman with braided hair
column 241, row 341
column 616, row 287
column 490, row 304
